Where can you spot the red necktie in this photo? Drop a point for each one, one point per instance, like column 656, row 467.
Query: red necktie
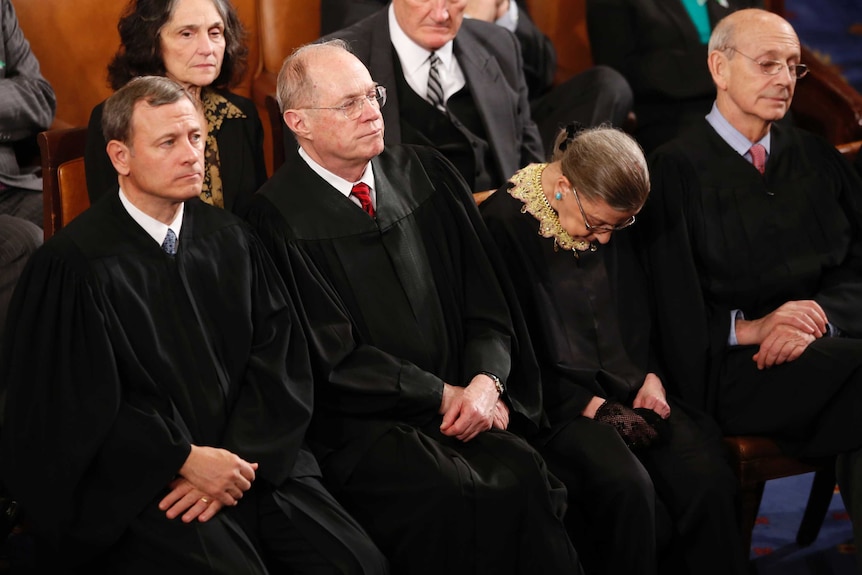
column 363, row 194
column 758, row 157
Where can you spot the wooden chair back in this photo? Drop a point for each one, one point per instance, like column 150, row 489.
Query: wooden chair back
column 64, row 184
column 850, row 150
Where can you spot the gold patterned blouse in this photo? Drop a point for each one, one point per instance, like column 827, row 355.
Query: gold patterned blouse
column 216, row 110
column 527, row 187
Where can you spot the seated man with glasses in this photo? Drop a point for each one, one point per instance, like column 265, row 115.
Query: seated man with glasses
column 421, row 373
column 754, row 231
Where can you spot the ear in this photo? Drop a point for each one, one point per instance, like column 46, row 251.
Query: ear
column 297, row 122
column 119, row 154
column 562, row 185
column 719, row 68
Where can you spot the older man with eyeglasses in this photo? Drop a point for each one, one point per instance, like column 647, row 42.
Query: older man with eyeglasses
column 754, row 231
column 421, row 373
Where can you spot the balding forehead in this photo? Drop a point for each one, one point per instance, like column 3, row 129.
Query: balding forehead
column 762, row 25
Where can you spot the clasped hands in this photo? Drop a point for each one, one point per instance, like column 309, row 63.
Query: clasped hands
column 784, row 333
column 641, row 425
column 468, row 411
column 210, row 479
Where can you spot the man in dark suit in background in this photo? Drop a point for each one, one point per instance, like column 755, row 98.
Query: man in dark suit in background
column 486, row 126
column 660, row 47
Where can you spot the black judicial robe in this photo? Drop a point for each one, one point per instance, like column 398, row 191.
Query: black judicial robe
column 406, row 301
column 720, row 237
column 590, row 323
column 394, row 307
column 118, row 357
column 572, row 306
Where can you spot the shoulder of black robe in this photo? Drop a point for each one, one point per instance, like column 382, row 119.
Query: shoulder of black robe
column 99, row 171
column 288, row 213
column 837, row 184
column 101, row 404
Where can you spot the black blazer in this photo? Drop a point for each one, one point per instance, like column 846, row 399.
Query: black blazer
column 655, row 45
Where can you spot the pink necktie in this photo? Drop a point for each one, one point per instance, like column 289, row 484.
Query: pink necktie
column 758, row 157
column 363, row 194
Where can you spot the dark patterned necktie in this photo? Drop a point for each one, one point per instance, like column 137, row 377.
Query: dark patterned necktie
column 363, row 194
column 170, row 243
column 435, row 87
column 758, row 157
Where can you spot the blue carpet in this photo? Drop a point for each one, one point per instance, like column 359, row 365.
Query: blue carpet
column 774, row 548
column 833, row 29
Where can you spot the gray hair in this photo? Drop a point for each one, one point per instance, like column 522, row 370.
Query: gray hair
column 294, row 88
column 604, row 164
column 119, row 108
column 723, row 38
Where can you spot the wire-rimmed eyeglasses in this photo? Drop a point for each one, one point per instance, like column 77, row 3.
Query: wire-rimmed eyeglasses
column 601, row 228
column 352, row 109
column 774, row 67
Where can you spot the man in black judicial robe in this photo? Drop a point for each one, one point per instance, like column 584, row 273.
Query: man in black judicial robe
column 410, row 336
column 758, row 276
column 157, row 397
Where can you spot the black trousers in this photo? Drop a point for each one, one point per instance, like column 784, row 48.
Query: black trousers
column 434, row 504
column 666, row 509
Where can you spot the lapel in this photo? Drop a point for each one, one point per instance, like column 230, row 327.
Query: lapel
column 489, row 92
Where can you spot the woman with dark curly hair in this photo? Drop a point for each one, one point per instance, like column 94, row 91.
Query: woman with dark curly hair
column 201, row 45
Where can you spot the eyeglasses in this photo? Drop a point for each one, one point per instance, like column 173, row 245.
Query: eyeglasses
column 774, row 67
column 352, row 109
column 601, row 228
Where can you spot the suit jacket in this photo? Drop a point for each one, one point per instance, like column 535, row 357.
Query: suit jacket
column 655, row 45
column 490, row 58
column 540, row 57
column 240, row 144
column 28, row 101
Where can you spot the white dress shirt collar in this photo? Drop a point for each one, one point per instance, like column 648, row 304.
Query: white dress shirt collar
column 734, row 137
column 340, row 183
column 415, row 64
column 156, row 229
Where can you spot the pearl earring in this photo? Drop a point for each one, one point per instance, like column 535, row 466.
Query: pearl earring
column 558, row 196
